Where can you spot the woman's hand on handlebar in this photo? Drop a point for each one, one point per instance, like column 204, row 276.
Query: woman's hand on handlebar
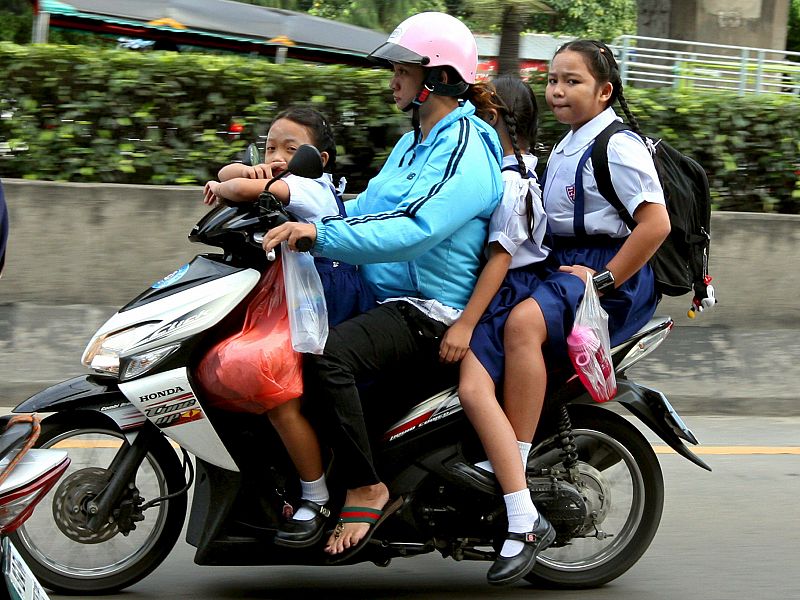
column 291, row 233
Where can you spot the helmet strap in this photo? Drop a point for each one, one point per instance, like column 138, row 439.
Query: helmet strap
column 433, row 84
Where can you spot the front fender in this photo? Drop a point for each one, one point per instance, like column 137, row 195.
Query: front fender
column 70, row 394
column 86, row 392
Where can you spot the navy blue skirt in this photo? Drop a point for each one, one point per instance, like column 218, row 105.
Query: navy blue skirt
column 487, row 338
column 629, row 307
column 559, row 294
column 346, row 293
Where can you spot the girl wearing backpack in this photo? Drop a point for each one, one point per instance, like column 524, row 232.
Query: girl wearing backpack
column 583, row 83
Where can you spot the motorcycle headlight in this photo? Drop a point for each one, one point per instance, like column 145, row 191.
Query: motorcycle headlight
column 139, row 363
column 102, row 353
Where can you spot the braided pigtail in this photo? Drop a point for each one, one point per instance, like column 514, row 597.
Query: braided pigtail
column 519, row 111
column 511, row 127
column 628, row 114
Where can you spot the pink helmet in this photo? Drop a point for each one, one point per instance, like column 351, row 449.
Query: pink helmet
column 432, row 39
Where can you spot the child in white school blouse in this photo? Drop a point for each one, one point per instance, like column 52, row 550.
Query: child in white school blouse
column 517, row 263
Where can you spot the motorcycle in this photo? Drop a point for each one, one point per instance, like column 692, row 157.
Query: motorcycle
column 119, row 511
column 26, row 476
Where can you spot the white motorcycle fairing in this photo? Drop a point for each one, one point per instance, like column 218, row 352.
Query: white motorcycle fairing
column 169, row 401
column 157, row 326
column 170, row 319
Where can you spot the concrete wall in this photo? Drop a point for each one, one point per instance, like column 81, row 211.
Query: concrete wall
column 74, row 243
column 99, row 244
column 753, row 23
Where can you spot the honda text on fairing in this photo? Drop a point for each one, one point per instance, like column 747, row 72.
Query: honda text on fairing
column 119, row 511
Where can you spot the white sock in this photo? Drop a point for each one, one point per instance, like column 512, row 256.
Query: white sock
column 522, row 516
column 316, row 491
column 524, row 450
column 485, row 465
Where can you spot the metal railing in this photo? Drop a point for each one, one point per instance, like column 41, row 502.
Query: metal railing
column 682, row 64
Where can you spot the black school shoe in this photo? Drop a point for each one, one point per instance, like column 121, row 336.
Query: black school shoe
column 506, row 570
column 302, row 534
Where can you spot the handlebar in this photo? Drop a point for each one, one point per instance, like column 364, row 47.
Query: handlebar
column 303, row 244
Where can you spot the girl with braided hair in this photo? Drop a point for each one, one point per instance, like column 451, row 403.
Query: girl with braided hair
column 588, row 236
column 517, row 261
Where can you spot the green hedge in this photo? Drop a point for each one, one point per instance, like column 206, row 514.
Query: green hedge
column 74, row 113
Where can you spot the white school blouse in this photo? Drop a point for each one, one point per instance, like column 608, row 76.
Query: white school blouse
column 633, row 175
column 509, row 223
column 311, row 199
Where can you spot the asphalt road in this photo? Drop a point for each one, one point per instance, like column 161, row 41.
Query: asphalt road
column 732, row 533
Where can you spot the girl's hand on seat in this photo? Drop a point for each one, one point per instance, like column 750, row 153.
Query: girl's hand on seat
column 455, row 342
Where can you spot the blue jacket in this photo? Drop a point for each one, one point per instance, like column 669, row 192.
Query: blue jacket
column 420, row 227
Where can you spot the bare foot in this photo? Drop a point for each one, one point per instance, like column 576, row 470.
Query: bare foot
column 347, row 535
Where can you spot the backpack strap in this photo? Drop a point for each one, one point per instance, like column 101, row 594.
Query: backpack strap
column 602, row 174
column 578, row 214
column 340, row 204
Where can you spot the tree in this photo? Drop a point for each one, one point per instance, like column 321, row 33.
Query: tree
column 603, row 20
column 793, row 35
column 383, row 15
column 514, row 15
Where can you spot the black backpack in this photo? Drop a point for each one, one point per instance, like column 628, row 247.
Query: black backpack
column 681, row 263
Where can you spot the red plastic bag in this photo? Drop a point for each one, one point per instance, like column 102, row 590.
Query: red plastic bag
column 255, row 369
column 589, row 347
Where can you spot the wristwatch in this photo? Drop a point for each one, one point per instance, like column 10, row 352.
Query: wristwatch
column 604, row 281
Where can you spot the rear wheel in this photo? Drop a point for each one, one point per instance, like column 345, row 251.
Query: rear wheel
column 622, row 478
column 64, row 554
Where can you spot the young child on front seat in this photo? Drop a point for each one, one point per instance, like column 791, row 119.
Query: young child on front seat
column 346, row 294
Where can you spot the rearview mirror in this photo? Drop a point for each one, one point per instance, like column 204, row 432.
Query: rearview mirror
column 306, row 162
column 251, row 156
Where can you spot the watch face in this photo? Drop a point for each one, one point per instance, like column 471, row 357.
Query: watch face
column 604, row 281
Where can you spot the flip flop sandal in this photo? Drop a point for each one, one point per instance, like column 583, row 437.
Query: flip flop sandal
column 362, row 514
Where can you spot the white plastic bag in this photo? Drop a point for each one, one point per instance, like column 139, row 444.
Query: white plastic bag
column 589, row 346
column 305, row 301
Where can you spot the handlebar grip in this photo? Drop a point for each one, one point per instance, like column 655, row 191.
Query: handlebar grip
column 303, row 244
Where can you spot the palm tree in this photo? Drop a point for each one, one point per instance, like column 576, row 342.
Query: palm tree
column 512, row 20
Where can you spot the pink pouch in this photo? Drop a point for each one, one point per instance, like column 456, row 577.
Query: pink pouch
column 589, row 347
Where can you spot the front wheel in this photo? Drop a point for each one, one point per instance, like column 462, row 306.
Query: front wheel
column 622, row 481
column 68, row 557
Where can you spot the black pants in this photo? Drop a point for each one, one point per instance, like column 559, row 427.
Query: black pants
column 391, row 347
